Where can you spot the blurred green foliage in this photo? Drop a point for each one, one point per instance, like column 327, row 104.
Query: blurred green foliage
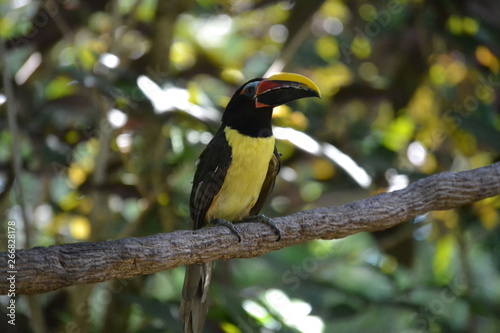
column 116, row 100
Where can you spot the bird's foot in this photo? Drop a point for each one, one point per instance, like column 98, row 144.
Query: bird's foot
column 229, row 225
column 267, row 220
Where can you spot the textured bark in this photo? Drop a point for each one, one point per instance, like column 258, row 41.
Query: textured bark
column 44, row 269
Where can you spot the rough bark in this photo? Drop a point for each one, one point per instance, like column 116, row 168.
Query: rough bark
column 44, row 269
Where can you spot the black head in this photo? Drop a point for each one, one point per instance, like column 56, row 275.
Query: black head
column 250, row 109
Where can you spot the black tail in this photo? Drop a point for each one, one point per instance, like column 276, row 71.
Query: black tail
column 194, row 303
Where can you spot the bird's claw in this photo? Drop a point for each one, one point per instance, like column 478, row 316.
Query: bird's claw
column 229, row 225
column 267, row 220
column 255, row 218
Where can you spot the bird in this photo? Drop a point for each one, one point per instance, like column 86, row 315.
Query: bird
column 235, row 174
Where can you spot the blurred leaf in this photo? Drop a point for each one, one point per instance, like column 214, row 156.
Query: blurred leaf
column 445, row 250
column 398, row 133
column 79, row 227
column 59, row 87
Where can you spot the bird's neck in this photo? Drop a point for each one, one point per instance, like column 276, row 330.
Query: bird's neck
column 254, row 124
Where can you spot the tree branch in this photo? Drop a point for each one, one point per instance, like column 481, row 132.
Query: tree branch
column 44, row 269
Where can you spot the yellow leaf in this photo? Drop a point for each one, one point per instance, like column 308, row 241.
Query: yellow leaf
column 76, row 175
column 232, row 75
column 399, row 133
column 480, row 160
column 72, row 137
column 445, row 249
column 182, row 55
column 486, row 58
column 448, row 217
column 437, row 73
column 368, row 71
column 455, row 25
column 327, row 48
column 489, row 218
column 163, row 199
column 470, row 25
column 361, row 47
column 322, row 169
column 59, row 87
column 70, row 201
column 367, row 12
column 487, row 211
column 79, row 227
column 298, row 121
column 336, row 8
column 282, row 111
column 229, row 328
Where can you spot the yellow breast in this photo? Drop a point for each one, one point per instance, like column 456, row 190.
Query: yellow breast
column 244, row 178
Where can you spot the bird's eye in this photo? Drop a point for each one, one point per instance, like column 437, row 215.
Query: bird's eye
column 250, row 90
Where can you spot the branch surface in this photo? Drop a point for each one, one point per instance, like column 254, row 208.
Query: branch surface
column 44, row 269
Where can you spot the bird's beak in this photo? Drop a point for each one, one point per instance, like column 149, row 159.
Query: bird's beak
column 283, row 88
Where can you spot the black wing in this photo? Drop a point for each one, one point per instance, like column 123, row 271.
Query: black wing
column 209, row 176
column 267, row 187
